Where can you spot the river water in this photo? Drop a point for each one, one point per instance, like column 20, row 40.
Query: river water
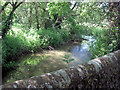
column 80, row 53
column 50, row 60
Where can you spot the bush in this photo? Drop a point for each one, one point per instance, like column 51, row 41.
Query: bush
column 104, row 44
column 17, row 42
column 49, row 37
column 64, row 34
column 76, row 32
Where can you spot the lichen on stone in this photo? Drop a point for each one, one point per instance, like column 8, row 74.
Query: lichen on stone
column 96, row 64
column 81, row 74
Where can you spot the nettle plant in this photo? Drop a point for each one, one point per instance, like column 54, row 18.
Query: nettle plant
column 67, row 59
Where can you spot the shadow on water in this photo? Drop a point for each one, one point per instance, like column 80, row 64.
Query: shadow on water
column 50, row 60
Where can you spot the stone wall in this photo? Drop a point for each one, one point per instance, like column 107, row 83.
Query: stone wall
column 102, row 72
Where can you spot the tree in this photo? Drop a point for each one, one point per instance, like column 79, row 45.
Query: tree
column 37, row 15
column 6, row 23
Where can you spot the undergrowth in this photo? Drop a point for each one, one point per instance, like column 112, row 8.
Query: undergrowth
column 105, row 43
column 20, row 41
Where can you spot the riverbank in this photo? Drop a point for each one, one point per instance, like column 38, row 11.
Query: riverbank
column 40, row 63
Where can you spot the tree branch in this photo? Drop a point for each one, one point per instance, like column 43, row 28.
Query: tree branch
column 74, row 5
column 19, row 4
column 4, row 6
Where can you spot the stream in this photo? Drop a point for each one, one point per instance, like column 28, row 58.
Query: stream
column 50, row 60
column 80, row 53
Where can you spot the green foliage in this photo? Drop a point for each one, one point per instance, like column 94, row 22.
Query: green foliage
column 18, row 41
column 52, row 37
column 32, row 61
column 49, row 37
column 6, row 24
column 86, row 30
column 104, row 44
column 74, row 29
column 67, row 59
column 64, row 34
column 60, row 8
column 76, row 33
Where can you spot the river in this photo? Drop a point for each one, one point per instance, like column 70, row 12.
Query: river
column 80, row 53
column 50, row 60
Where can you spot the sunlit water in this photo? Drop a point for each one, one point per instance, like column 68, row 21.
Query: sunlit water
column 80, row 53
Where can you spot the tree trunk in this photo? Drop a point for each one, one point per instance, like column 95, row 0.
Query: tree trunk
column 57, row 21
column 37, row 18
column 30, row 21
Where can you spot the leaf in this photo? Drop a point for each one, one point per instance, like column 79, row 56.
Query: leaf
column 71, row 59
column 66, row 61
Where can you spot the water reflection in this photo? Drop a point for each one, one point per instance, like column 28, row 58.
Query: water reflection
column 80, row 53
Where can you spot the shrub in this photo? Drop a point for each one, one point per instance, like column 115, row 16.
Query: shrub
column 76, row 32
column 50, row 37
column 104, row 44
column 64, row 34
column 17, row 42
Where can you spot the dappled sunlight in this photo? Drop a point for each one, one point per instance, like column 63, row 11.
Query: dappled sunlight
column 31, row 60
column 56, row 52
column 38, row 64
column 76, row 42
